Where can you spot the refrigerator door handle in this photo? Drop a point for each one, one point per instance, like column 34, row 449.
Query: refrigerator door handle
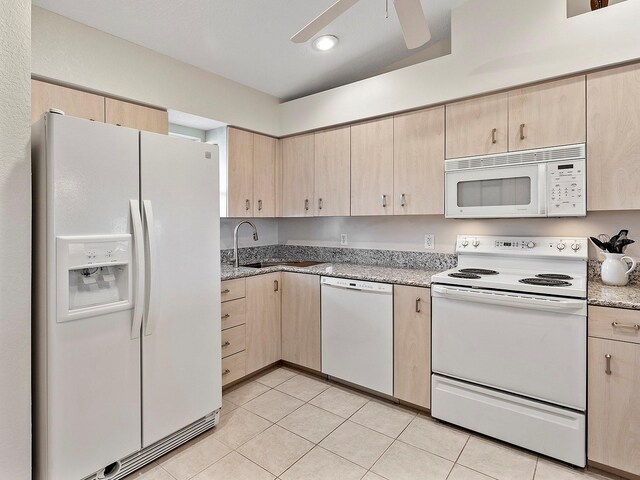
column 150, row 270
column 138, row 240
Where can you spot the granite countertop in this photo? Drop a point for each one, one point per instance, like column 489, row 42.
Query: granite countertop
column 617, row 297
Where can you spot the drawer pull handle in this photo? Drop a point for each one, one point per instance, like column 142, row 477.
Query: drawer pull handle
column 226, row 372
column 276, row 286
column 608, row 367
column 625, row 325
column 247, row 204
column 418, row 310
column 384, row 201
column 259, row 204
column 320, row 204
column 226, row 315
column 403, row 200
column 306, row 204
column 522, row 131
column 493, row 136
column 226, row 290
column 226, row 344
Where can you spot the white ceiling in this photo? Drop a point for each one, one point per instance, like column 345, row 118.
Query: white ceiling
column 248, row 40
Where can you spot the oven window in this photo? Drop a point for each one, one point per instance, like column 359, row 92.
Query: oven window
column 494, row 192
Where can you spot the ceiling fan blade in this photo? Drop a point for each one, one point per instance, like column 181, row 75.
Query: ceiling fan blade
column 322, row 20
column 413, row 22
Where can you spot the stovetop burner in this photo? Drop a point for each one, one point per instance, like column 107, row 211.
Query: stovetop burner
column 554, row 276
column 464, row 275
column 546, row 282
column 478, row 271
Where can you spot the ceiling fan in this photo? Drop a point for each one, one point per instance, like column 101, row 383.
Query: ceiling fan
column 415, row 28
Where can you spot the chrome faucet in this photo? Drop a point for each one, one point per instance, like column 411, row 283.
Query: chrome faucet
column 236, row 260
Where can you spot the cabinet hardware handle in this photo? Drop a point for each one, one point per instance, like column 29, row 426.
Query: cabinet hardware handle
column 226, row 290
column 226, row 315
column 522, row 131
column 306, row 204
column 384, row 201
column 117, row 124
column 259, row 204
column 608, row 368
column 625, row 325
column 418, row 309
column 226, row 371
column 225, row 344
column 403, row 201
column 320, row 204
column 247, row 204
column 494, row 139
column 275, row 286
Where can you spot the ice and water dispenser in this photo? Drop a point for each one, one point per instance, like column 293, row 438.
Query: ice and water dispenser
column 94, row 276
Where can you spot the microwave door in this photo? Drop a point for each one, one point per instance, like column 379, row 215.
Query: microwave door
column 497, row 192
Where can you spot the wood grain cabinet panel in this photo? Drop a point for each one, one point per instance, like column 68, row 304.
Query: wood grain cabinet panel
column 372, row 168
column 412, row 344
column 548, row 114
column 240, row 173
column 264, row 176
column 297, row 175
column 232, row 289
column 332, row 178
column 234, row 367
column 74, row 103
column 233, row 313
column 233, row 340
column 418, row 162
column 614, row 324
column 477, row 126
column 301, row 319
column 614, row 410
column 135, row 116
column 263, row 327
column 613, row 139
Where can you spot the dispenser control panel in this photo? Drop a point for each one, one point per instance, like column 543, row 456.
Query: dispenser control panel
column 567, row 188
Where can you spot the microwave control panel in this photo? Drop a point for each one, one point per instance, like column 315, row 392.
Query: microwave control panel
column 566, row 191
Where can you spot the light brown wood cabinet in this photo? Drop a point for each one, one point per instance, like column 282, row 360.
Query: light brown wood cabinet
column 548, row 114
column 477, row 126
column 297, row 175
column 74, row 103
column 264, row 176
column 263, row 327
column 239, row 173
column 418, row 162
column 332, row 173
column 412, row 344
column 372, row 168
column 613, row 139
column 301, row 319
column 233, row 328
column 130, row 115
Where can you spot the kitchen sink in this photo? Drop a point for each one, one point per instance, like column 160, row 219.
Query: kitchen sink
column 276, row 263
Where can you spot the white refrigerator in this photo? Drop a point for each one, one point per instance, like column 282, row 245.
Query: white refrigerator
column 126, row 327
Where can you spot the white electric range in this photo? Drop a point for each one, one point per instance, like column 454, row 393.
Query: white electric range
column 509, row 336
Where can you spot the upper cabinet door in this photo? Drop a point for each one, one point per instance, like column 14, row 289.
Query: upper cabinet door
column 264, row 176
column 136, row 116
column 297, row 175
column 547, row 115
column 477, row 126
column 333, row 172
column 613, row 145
column 239, row 173
column 418, row 162
column 74, row 103
column 372, row 168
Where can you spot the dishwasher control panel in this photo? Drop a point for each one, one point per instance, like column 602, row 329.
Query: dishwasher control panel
column 357, row 284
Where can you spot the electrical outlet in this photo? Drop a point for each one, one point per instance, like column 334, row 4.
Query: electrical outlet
column 429, row 241
column 344, row 240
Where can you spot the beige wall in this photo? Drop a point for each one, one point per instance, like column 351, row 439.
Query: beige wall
column 73, row 53
column 15, row 241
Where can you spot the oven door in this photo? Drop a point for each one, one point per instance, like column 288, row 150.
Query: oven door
column 526, row 344
column 493, row 192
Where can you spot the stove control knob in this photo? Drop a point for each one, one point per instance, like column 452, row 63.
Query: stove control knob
column 465, row 243
column 560, row 246
column 475, row 243
column 575, row 246
column 531, row 244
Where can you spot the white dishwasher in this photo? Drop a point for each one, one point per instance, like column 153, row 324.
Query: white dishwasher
column 357, row 332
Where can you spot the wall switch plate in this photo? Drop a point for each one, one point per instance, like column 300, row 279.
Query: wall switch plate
column 429, row 241
column 344, row 240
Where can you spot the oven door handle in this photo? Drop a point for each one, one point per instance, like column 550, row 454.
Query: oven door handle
column 508, row 299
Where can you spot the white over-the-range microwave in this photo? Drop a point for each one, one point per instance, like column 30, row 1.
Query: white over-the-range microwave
column 546, row 182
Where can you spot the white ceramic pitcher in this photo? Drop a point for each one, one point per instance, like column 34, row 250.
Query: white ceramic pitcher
column 615, row 269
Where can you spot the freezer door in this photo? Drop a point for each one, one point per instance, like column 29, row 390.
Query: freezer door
column 181, row 366
column 87, row 383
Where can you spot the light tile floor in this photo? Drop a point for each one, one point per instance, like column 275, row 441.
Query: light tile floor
column 292, row 426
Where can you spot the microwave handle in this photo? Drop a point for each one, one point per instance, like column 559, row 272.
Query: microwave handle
column 543, row 188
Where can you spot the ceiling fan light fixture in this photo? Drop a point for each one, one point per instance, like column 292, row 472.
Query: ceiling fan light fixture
column 325, row 42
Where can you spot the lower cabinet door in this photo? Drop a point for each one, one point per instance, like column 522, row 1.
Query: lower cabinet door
column 614, row 404
column 301, row 319
column 412, row 344
column 263, row 329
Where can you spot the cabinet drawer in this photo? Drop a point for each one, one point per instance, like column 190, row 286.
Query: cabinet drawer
column 232, row 289
column 233, row 313
column 614, row 324
column 233, row 340
column 233, row 367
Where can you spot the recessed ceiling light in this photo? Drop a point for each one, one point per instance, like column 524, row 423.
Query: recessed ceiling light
column 325, row 42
